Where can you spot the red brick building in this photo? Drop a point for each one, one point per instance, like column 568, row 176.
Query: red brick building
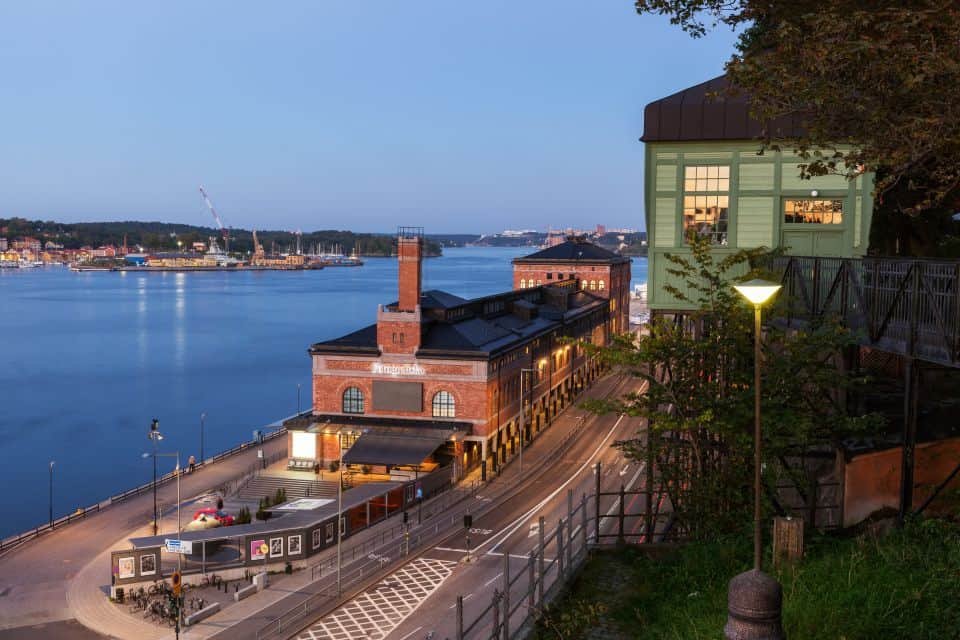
column 596, row 269
column 438, row 379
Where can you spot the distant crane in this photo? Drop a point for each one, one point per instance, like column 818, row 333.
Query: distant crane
column 216, row 216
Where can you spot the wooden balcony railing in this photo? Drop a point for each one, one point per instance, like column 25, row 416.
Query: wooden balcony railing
column 905, row 306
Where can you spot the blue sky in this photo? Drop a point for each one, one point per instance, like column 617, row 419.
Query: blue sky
column 457, row 116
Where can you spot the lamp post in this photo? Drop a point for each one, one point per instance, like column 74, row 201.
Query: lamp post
column 176, row 455
column 155, row 435
column 51, row 492
column 754, row 598
column 203, row 417
column 340, row 506
column 523, row 414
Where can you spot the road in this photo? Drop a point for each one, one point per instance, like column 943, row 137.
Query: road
column 430, row 584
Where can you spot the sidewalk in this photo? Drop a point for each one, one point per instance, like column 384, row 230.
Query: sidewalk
column 37, row 576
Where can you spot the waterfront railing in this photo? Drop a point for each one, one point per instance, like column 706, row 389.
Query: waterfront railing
column 10, row 542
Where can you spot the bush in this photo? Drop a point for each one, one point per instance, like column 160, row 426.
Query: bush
column 243, row 516
column 365, row 469
column 334, row 465
column 280, row 497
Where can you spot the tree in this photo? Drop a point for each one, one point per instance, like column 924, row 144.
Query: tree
column 879, row 79
column 699, row 399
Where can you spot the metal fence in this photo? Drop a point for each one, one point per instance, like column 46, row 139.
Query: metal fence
column 81, row 513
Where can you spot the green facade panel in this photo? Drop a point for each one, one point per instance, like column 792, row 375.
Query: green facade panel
column 666, row 177
column 757, row 176
column 755, row 221
column 665, row 215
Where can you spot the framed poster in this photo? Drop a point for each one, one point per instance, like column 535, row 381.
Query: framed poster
column 316, row 538
column 330, row 532
column 293, row 545
column 276, row 547
column 148, row 564
column 127, row 567
column 255, row 552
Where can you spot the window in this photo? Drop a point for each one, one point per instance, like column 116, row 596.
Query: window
column 549, row 275
column 353, row 400
column 443, row 405
column 583, row 284
column 523, row 284
column 813, row 211
column 705, row 202
column 593, row 285
column 539, row 282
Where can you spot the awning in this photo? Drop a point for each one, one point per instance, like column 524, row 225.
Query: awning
column 395, row 447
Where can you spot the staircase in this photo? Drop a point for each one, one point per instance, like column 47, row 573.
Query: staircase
column 295, row 487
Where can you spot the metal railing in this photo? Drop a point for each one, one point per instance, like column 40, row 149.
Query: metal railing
column 81, row 513
column 905, row 306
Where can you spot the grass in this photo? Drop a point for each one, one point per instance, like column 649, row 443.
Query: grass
column 905, row 585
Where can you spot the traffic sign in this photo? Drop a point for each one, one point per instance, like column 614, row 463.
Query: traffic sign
column 178, row 546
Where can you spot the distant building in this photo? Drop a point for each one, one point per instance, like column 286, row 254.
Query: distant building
column 50, row 245
column 601, row 230
column 3, row 244
column 104, row 251
column 31, row 244
column 594, row 268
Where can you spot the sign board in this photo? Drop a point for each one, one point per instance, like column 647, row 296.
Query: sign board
column 178, row 546
column 258, row 549
column 419, row 493
column 396, row 369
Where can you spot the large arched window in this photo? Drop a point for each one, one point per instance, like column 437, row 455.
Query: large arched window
column 444, row 405
column 602, row 285
column 353, row 400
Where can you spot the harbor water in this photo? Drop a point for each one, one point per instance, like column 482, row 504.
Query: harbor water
column 88, row 359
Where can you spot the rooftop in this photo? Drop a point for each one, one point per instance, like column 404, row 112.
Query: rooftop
column 695, row 115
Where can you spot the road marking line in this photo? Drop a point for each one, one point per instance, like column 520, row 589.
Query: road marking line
column 411, row 633
column 519, row 521
column 493, row 579
column 465, row 598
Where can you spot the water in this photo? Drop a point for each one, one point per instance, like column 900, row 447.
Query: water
column 87, row 359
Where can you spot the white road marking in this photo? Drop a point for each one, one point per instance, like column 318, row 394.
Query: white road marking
column 465, row 598
column 534, row 529
column 411, row 633
column 493, row 579
column 519, row 521
column 379, row 610
column 623, row 471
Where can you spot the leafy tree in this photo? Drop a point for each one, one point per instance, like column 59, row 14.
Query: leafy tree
column 700, row 394
column 878, row 75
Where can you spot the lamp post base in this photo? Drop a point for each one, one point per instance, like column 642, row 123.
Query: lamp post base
column 754, row 605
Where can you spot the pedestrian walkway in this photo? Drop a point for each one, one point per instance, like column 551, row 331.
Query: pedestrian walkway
column 36, row 576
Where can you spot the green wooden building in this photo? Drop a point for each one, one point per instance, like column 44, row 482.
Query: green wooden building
column 705, row 175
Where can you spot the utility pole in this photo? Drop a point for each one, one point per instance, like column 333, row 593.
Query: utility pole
column 156, row 437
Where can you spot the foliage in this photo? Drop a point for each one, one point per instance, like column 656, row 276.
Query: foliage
column 243, row 516
column 280, row 496
column 882, row 77
column 569, row 621
column 699, row 401
column 903, row 585
column 165, row 236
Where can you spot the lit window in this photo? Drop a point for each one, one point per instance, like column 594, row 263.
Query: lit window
column 705, row 202
column 601, row 285
column 523, row 284
column 539, row 283
column 593, row 285
column 444, row 405
column 584, row 284
column 813, row 211
column 353, row 400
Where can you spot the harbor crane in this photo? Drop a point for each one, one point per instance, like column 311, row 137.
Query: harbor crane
column 216, row 217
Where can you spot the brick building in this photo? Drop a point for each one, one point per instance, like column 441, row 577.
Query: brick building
column 438, row 379
column 596, row 269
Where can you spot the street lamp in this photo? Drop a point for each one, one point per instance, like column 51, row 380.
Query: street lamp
column 754, row 598
column 156, row 436
column 176, row 455
column 203, row 417
column 340, row 505
column 523, row 415
column 51, row 492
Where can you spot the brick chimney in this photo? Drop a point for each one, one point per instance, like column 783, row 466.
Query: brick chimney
column 398, row 328
column 410, row 255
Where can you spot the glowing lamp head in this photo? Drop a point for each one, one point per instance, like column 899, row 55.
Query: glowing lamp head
column 757, row 291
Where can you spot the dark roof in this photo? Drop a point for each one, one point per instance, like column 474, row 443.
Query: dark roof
column 478, row 328
column 692, row 114
column 436, row 299
column 395, row 447
column 302, row 423
column 574, row 250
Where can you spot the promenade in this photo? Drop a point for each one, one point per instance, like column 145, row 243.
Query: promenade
column 41, row 581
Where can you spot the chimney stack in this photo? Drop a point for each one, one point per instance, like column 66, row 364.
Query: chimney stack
column 410, row 255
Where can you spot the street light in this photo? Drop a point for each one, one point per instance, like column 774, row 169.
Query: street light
column 754, row 598
column 203, row 417
column 51, row 492
column 156, row 436
column 176, row 455
column 523, row 415
column 340, row 504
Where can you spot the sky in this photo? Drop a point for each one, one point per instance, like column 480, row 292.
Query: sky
column 456, row 116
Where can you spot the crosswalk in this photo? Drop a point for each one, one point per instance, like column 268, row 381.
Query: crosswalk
column 378, row 611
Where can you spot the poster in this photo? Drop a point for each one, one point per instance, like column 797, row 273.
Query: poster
column 293, row 545
column 276, row 547
column 316, row 538
column 127, row 567
column 148, row 564
column 255, row 552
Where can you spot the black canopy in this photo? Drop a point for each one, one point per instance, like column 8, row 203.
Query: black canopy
column 395, row 447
